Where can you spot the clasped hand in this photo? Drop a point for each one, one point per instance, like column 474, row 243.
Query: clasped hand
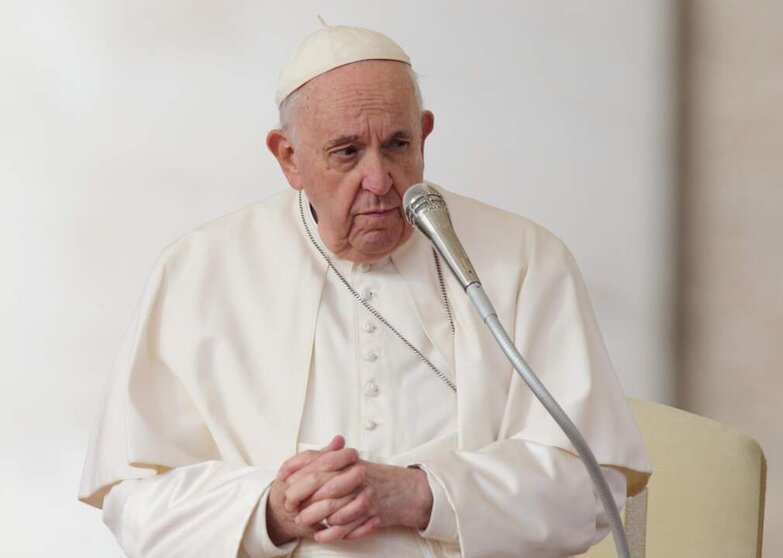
column 354, row 496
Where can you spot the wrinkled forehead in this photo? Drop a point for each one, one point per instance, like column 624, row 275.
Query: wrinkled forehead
column 377, row 89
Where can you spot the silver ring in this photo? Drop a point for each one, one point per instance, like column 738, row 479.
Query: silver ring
column 325, row 523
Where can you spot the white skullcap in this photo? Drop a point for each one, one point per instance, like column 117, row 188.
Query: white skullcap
column 331, row 47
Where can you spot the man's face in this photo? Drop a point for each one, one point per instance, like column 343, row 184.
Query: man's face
column 359, row 139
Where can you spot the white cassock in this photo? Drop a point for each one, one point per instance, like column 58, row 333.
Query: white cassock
column 245, row 349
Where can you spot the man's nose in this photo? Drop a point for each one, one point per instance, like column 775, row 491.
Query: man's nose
column 377, row 178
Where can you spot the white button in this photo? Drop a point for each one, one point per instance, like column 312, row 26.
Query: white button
column 369, row 424
column 371, row 357
column 369, row 327
column 364, row 267
column 368, row 293
column 371, row 389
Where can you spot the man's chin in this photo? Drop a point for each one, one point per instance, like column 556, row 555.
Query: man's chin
column 376, row 245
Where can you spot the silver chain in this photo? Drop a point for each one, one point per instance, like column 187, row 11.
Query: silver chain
column 443, row 292
column 377, row 314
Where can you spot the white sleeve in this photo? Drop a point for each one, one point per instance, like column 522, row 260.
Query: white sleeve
column 442, row 525
column 517, row 498
column 196, row 510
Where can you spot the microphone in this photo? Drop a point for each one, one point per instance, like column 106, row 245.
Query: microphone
column 426, row 210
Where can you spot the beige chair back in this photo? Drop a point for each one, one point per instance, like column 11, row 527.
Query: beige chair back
column 705, row 498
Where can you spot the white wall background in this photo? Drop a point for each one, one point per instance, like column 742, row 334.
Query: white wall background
column 126, row 123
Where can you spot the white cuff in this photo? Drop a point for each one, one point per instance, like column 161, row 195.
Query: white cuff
column 443, row 519
column 256, row 541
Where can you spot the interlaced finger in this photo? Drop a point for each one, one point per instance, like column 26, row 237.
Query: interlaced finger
column 327, row 461
column 338, row 532
column 322, row 509
column 345, row 482
column 364, row 529
column 299, row 491
column 301, row 459
column 357, row 507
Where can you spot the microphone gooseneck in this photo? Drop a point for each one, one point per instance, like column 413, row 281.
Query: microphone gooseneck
column 427, row 211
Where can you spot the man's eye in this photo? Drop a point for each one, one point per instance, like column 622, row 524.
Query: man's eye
column 399, row 144
column 349, row 151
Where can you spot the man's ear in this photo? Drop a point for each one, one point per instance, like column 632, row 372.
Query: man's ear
column 283, row 150
column 427, row 125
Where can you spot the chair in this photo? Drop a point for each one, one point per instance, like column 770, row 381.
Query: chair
column 706, row 495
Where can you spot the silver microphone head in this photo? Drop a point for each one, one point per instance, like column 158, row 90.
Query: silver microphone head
column 422, row 198
column 426, row 210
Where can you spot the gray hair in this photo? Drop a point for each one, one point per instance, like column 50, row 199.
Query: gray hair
column 291, row 104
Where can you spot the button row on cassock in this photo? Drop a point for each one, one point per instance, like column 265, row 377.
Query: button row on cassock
column 371, row 389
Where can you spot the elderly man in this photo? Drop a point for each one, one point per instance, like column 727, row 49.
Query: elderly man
column 302, row 377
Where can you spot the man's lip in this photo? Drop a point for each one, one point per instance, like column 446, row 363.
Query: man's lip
column 378, row 211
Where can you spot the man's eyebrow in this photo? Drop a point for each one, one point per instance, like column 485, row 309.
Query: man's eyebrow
column 341, row 140
column 401, row 134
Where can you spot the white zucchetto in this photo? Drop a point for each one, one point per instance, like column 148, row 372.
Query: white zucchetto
column 331, row 47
